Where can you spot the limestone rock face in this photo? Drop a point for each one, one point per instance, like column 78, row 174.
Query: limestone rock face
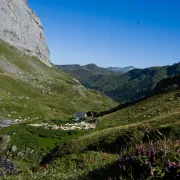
column 20, row 27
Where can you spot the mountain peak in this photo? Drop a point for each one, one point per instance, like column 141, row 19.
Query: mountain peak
column 91, row 66
column 20, row 27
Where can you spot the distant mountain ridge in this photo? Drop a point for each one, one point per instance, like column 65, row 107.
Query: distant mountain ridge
column 96, row 69
column 133, row 85
column 122, row 87
column 120, row 69
column 82, row 73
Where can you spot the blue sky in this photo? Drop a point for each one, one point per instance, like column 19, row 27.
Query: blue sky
column 120, row 33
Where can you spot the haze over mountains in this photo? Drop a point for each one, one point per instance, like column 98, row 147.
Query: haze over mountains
column 120, row 69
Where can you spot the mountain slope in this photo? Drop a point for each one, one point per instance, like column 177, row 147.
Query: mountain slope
column 127, row 125
column 133, row 85
column 163, row 101
column 167, row 84
column 82, row 73
column 91, row 152
column 30, row 89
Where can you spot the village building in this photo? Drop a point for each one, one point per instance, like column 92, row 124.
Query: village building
column 80, row 116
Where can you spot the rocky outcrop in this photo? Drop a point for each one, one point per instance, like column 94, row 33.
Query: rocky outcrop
column 4, row 141
column 20, row 27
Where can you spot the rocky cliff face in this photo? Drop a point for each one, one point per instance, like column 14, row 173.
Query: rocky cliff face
column 20, row 27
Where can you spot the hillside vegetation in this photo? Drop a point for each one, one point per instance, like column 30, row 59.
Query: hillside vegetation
column 131, row 86
column 138, row 141
column 31, row 90
column 83, row 73
column 157, row 111
column 122, row 144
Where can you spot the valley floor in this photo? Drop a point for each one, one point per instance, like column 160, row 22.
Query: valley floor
column 146, row 135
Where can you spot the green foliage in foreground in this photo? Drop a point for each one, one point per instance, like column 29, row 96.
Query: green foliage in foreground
column 153, row 160
column 128, row 125
column 75, row 166
column 140, row 161
column 37, row 138
column 93, row 154
column 113, row 139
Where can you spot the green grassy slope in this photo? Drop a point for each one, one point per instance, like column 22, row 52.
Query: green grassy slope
column 133, row 85
column 88, row 154
column 128, row 125
column 165, row 85
column 30, row 89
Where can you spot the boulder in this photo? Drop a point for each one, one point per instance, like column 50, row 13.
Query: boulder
column 4, row 141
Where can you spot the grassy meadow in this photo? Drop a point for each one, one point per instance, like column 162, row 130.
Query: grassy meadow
column 145, row 134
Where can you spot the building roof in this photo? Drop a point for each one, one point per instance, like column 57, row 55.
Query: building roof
column 81, row 114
